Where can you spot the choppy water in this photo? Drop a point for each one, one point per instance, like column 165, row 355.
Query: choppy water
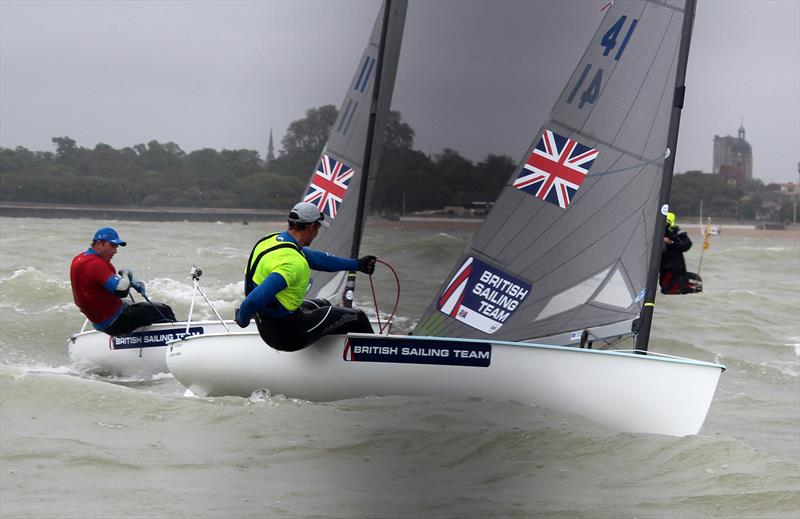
column 78, row 445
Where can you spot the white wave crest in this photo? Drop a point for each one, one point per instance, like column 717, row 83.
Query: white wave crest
column 225, row 252
column 19, row 273
column 448, row 236
column 794, row 343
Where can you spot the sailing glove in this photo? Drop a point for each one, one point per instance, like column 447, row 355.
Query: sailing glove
column 137, row 285
column 366, row 264
column 241, row 322
column 134, row 283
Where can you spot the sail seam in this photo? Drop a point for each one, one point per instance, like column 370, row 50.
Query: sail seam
column 641, row 87
column 662, row 3
column 666, row 84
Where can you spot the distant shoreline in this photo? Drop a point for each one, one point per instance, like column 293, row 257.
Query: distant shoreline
column 224, row 214
column 149, row 214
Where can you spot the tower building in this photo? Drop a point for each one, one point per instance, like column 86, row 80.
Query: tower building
column 270, row 149
column 733, row 157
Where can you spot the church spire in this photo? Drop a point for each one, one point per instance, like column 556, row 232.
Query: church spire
column 741, row 128
column 270, row 149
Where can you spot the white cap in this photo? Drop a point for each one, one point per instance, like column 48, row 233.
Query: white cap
column 306, row 212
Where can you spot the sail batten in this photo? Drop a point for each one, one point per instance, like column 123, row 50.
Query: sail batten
column 574, row 225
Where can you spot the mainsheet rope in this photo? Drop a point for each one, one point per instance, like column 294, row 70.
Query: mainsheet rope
column 375, row 300
column 167, row 319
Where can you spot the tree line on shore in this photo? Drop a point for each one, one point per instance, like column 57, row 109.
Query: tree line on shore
column 695, row 193
column 162, row 174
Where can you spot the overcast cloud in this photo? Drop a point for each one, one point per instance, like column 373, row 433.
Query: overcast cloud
column 478, row 77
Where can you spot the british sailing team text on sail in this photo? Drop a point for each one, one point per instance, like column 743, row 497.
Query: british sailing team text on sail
column 497, row 295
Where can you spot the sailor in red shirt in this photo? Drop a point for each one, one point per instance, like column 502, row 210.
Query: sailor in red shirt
column 98, row 289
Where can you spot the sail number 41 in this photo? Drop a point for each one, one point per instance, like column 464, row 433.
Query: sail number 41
column 608, row 42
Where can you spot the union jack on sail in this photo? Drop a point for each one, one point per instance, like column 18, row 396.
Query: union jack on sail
column 329, row 185
column 556, row 169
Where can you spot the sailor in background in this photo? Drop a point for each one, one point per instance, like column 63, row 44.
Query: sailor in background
column 673, row 277
column 277, row 279
column 98, row 289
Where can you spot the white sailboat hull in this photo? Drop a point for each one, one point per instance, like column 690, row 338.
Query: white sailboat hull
column 628, row 392
column 139, row 354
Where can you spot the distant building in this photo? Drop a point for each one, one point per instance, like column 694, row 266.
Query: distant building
column 733, row 174
column 733, row 157
column 775, row 197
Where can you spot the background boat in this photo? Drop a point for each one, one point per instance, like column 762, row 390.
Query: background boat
column 141, row 353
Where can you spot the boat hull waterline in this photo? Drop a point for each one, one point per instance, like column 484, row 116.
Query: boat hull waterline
column 673, row 394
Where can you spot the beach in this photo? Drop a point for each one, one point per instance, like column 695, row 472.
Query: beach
column 247, row 216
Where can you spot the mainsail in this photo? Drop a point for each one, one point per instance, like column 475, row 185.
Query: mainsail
column 334, row 185
column 568, row 243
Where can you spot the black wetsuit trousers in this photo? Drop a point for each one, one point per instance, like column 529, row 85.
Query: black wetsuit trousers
column 139, row 314
column 314, row 318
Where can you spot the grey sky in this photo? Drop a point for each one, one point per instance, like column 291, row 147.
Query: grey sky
column 478, row 77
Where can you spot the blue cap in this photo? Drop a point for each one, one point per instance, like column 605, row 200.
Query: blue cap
column 110, row 235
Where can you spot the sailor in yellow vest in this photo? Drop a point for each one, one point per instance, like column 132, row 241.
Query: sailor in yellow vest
column 277, row 278
column 673, row 277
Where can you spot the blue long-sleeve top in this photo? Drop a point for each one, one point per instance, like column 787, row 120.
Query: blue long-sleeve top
column 262, row 298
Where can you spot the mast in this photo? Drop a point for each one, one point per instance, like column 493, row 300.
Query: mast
column 350, row 285
column 646, row 315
